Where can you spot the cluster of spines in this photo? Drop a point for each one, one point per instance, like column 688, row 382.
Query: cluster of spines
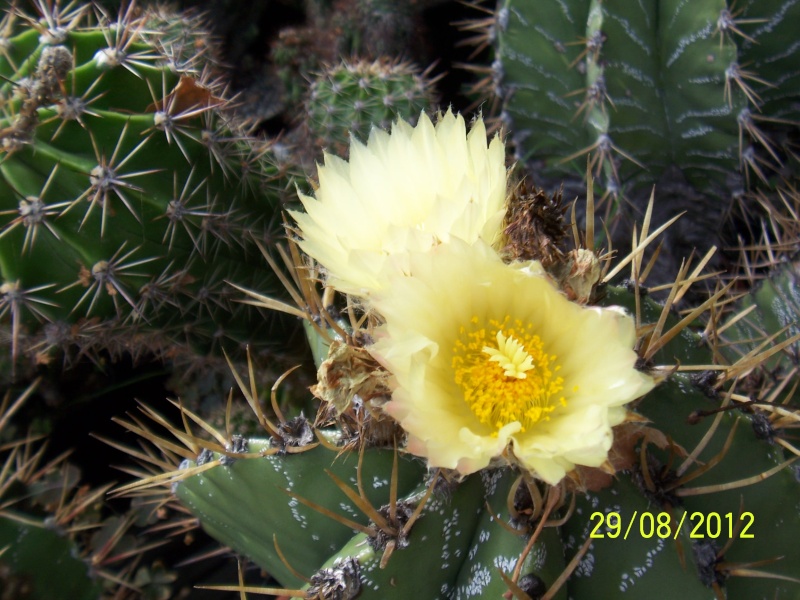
column 122, row 167
column 353, row 96
column 50, row 515
column 640, row 87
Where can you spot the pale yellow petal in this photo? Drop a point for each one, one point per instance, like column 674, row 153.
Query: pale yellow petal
column 399, row 193
column 584, row 362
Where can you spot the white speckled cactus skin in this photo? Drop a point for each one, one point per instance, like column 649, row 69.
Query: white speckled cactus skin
column 471, row 538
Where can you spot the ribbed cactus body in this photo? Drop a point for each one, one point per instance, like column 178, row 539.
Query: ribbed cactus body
column 748, row 456
column 455, row 534
column 304, row 536
column 773, row 307
column 352, row 97
column 706, row 87
column 129, row 199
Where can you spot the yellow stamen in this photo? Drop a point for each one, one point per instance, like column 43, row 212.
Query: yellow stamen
column 505, row 373
column 510, row 355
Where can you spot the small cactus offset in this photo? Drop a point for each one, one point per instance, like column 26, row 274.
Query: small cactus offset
column 581, row 439
column 130, row 200
column 351, row 64
column 698, row 98
column 352, row 97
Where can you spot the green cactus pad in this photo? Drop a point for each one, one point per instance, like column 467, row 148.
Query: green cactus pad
column 46, row 560
column 244, row 504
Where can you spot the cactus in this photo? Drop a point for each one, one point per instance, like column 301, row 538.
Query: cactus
column 130, row 200
column 707, row 89
column 377, row 38
column 355, row 96
column 698, row 100
column 499, row 529
column 478, row 530
column 688, row 484
column 34, row 544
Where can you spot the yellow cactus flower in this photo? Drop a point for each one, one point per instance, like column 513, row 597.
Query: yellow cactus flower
column 492, row 360
column 402, row 192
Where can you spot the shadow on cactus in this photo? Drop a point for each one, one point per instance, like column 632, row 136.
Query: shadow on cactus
column 47, row 515
column 130, row 196
column 573, row 448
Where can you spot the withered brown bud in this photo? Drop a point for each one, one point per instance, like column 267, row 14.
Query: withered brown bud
column 347, row 371
column 582, row 275
column 535, row 225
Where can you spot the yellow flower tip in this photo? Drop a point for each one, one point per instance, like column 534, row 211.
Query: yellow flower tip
column 492, row 361
column 403, row 192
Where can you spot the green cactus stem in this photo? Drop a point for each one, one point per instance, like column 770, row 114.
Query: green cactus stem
column 353, row 96
column 644, row 87
column 128, row 198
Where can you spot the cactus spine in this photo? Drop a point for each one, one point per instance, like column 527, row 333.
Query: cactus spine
column 129, row 196
column 696, row 99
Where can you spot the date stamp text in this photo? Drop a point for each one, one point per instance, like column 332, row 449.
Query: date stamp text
column 647, row 524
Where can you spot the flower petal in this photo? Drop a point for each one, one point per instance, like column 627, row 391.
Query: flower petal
column 402, row 192
column 582, row 374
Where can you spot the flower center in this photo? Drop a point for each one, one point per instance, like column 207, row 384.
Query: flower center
column 505, row 373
